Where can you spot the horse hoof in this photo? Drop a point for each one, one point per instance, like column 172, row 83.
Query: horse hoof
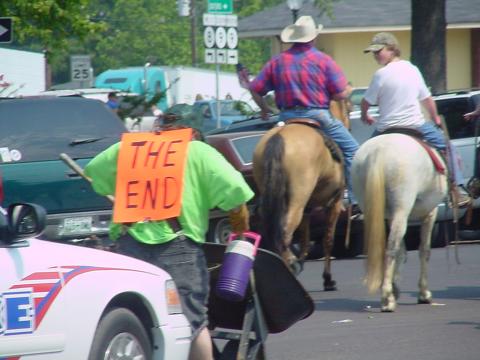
column 332, row 286
column 425, row 298
column 296, row 268
column 388, row 309
column 424, row 301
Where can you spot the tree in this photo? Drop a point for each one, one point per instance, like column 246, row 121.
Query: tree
column 49, row 24
column 429, row 41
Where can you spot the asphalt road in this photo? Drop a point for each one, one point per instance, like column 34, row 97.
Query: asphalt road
column 348, row 325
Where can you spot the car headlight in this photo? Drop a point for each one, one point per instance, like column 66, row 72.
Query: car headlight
column 172, row 298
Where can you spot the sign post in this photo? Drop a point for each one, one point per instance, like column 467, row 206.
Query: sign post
column 220, row 39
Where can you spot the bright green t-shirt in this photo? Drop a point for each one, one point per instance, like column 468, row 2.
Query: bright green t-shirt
column 210, row 181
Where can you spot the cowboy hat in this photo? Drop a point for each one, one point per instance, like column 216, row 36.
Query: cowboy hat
column 303, row 31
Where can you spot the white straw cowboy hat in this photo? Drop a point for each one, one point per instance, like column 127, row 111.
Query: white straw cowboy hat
column 303, row 31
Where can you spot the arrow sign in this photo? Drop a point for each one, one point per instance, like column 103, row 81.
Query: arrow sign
column 5, row 30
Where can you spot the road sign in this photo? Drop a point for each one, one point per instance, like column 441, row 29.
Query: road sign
column 6, row 30
column 210, row 56
column 232, row 38
column 220, row 20
column 220, row 6
column 80, row 68
column 232, row 57
column 220, row 37
column 209, row 37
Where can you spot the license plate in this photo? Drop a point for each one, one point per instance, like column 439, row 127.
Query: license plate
column 78, row 225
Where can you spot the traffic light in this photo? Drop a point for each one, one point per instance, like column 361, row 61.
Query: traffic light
column 183, row 7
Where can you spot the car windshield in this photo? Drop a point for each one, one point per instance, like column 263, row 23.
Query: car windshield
column 235, row 108
column 72, row 121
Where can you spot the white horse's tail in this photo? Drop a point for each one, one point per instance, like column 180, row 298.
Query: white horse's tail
column 374, row 220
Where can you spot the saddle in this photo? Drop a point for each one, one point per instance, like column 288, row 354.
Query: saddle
column 417, row 135
column 335, row 151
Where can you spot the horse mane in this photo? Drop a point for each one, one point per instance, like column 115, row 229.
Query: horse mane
column 275, row 198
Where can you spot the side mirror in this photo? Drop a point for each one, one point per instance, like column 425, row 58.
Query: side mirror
column 25, row 220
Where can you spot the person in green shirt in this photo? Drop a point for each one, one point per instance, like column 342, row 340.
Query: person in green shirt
column 210, row 181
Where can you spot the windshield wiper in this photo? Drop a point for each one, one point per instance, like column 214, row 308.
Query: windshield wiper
column 85, row 141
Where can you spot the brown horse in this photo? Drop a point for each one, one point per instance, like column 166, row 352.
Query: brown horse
column 296, row 167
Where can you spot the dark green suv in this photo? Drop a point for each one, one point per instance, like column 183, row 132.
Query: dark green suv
column 34, row 131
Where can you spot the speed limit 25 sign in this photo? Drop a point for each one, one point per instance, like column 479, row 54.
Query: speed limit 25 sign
column 80, row 68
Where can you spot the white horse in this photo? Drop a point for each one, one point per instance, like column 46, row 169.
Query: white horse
column 394, row 179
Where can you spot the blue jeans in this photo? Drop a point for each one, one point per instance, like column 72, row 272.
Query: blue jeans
column 334, row 129
column 435, row 137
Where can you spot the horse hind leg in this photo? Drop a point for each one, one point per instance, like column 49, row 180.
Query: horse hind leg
column 398, row 228
column 424, row 295
column 333, row 213
column 292, row 221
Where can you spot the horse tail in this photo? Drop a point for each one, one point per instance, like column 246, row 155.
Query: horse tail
column 275, row 196
column 374, row 221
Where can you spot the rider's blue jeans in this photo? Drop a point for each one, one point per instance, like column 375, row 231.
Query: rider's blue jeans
column 434, row 136
column 336, row 131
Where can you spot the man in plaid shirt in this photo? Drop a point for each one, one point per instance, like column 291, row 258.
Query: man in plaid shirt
column 304, row 80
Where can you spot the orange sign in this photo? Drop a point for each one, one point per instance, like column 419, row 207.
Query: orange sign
column 150, row 175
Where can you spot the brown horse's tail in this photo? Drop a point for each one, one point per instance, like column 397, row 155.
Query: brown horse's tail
column 275, row 196
column 374, row 221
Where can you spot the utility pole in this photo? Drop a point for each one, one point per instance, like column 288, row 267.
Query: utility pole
column 193, row 31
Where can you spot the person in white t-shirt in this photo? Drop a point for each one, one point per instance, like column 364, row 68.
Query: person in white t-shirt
column 399, row 90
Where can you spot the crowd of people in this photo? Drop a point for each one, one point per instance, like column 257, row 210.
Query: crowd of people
column 305, row 80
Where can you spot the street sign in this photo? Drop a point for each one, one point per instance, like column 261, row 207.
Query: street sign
column 220, row 6
column 210, row 56
column 220, row 20
column 232, row 38
column 209, row 37
column 80, row 68
column 232, row 57
column 6, row 30
column 221, row 38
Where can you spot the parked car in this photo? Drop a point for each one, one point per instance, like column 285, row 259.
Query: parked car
column 63, row 302
column 203, row 116
column 35, row 131
column 132, row 110
column 356, row 97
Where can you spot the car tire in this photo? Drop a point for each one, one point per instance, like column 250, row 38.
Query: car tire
column 120, row 332
column 219, row 230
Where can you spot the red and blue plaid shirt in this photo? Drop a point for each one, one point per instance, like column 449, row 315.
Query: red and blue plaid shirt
column 301, row 76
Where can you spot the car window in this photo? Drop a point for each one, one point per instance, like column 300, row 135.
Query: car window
column 357, row 95
column 41, row 129
column 245, row 146
column 453, row 111
column 235, row 108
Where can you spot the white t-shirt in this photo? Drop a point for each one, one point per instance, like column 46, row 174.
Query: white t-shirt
column 397, row 89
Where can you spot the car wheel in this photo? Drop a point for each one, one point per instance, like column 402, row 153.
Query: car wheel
column 120, row 334
column 219, row 230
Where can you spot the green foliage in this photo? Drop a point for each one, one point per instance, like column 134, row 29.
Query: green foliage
column 119, row 33
column 49, row 24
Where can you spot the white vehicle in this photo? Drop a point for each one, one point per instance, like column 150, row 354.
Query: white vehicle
column 21, row 72
column 69, row 302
